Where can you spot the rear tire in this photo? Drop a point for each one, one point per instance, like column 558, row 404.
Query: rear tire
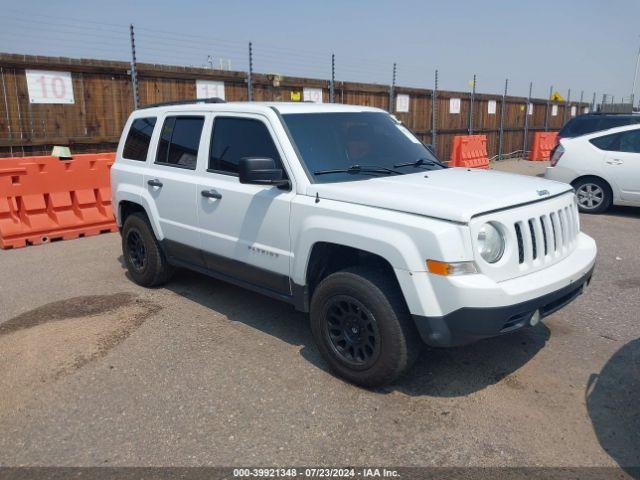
column 594, row 195
column 142, row 253
column 362, row 327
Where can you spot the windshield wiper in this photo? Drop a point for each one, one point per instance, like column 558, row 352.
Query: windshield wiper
column 358, row 169
column 421, row 161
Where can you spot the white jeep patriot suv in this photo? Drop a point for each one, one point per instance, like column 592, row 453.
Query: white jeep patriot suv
column 342, row 212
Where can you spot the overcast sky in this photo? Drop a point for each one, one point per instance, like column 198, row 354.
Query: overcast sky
column 588, row 45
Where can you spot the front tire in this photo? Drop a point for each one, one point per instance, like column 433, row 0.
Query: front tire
column 362, row 327
column 143, row 256
column 594, row 195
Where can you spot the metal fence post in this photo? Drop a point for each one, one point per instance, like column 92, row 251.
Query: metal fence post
column 546, row 113
column 434, row 114
column 6, row 109
column 525, row 140
column 250, row 74
column 472, row 99
column 333, row 79
column 391, row 90
column 134, row 68
column 567, row 105
column 501, row 135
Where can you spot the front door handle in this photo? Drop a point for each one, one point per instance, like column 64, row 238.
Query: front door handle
column 211, row 194
column 154, row 183
column 615, row 161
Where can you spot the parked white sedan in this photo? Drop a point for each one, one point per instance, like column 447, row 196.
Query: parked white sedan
column 603, row 167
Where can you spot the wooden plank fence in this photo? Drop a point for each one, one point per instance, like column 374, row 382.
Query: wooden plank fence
column 103, row 100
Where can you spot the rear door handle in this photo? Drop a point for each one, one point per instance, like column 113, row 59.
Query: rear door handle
column 211, row 194
column 154, row 183
column 615, row 161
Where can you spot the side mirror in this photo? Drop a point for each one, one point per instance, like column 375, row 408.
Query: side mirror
column 261, row 171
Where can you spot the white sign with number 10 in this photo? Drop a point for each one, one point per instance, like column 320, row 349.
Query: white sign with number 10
column 49, row 87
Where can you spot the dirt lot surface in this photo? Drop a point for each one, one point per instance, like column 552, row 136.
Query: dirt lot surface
column 97, row 371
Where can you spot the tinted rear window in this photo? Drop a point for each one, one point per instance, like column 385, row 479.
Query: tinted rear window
column 137, row 144
column 179, row 141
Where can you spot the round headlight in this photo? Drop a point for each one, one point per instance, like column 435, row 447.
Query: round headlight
column 490, row 243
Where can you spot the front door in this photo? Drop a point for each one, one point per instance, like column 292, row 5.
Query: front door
column 244, row 228
column 172, row 185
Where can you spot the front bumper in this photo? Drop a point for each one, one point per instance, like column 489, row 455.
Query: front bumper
column 469, row 324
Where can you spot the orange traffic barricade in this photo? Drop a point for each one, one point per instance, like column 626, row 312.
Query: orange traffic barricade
column 469, row 151
column 44, row 199
column 543, row 143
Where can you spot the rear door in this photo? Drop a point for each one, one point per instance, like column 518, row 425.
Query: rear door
column 244, row 228
column 172, row 183
column 622, row 164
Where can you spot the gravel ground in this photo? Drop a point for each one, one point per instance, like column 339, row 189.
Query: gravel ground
column 97, row 371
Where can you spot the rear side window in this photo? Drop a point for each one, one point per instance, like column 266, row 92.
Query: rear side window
column 138, row 139
column 630, row 141
column 179, row 141
column 236, row 138
column 607, row 142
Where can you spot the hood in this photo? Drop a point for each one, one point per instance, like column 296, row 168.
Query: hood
column 455, row 194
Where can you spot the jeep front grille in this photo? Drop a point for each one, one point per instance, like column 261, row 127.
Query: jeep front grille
column 546, row 236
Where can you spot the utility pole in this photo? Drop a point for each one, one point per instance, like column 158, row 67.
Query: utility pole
column 134, row 68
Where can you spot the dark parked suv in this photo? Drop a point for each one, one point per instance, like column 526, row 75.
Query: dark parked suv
column 594, row 122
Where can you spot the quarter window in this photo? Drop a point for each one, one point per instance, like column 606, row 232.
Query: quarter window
column 179, row 141
column 236, row 138
column 138, row 139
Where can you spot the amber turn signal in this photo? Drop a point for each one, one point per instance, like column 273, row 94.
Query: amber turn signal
column 451, row 268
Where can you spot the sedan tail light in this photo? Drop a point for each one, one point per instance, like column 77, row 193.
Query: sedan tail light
column 556, row 154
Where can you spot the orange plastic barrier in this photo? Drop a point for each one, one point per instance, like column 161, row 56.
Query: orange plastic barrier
column 44, row 199
column 543, row 143
column 469, row 151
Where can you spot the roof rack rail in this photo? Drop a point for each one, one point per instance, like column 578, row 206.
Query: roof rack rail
column 184, row 102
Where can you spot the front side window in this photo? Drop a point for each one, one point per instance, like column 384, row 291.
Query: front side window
column 179, row 141
column 138, row 139
column 236, row 138
column 345, row 146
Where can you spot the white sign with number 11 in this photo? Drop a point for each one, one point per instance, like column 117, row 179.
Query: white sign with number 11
column 49, row 87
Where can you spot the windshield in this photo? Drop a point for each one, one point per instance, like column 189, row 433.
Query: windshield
column 338, row 147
